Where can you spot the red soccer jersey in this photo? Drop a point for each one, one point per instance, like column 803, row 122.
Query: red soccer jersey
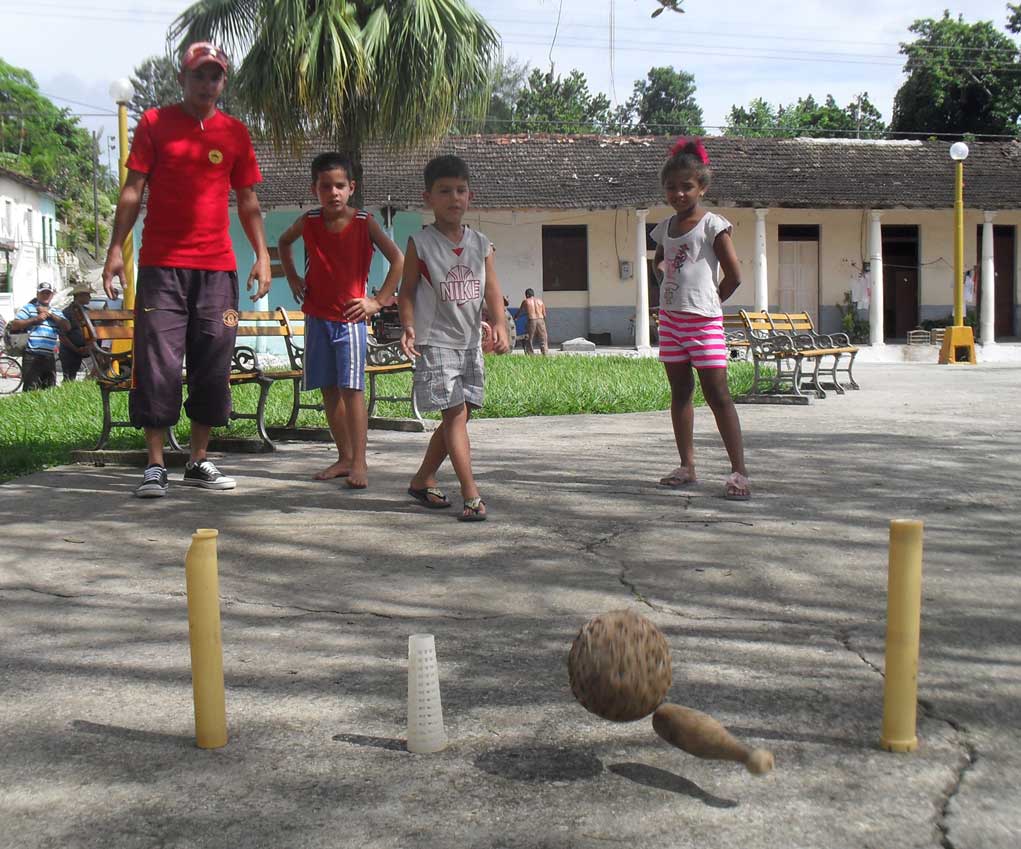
column 336, row 264
column 191, row 167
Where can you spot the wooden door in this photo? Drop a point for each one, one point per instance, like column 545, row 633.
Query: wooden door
column 905, row 316
column 799, row 277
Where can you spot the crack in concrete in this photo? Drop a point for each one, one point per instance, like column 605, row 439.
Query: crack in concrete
column 28, row 589
column 673, row 611
column 969, row 754
column 969, row 758
column 633, row 589
column 844, row 638
column 227, row 601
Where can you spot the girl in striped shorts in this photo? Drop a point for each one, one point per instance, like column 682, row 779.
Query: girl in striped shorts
column 691, row 247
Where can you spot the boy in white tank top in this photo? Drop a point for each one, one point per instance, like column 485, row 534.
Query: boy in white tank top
column 448, row 273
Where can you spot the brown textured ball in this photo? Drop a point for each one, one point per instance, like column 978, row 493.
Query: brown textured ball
column 619, row 666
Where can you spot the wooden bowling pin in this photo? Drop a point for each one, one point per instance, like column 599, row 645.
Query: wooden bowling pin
column 700, row 735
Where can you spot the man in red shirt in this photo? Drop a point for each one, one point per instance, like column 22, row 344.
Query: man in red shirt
column 189, row 155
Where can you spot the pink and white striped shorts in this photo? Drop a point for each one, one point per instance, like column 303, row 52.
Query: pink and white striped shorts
column 685, row 337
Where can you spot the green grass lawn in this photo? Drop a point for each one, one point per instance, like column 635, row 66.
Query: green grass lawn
column 40, row 429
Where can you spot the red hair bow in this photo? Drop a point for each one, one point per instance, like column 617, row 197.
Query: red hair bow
column 692, row 146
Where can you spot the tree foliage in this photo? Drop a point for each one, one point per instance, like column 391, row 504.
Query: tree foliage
column 962, row 78
column 860, row 118
column 399, row 70
column 507, row 80
column 661, row 104
column 155, row 83
column 46, row 143
column 555, row 104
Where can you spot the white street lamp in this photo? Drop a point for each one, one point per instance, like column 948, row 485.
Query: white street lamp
column 959, row 341
column 122, row 91
column 958, row 151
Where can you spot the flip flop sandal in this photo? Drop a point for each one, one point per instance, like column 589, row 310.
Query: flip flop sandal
column 422, row 497
column 737, row 487
column 473, row 510
column 678, row 477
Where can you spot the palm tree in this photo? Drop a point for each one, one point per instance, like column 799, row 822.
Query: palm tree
column 400, row 71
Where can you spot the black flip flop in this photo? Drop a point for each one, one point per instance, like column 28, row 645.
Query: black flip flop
column 422, row 497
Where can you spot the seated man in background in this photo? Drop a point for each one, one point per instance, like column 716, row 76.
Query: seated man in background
column 72, row 343
column 43, row 326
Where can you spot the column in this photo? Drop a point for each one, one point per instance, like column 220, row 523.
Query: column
column 987, row 319
column 642, row 283
column 876, row 336
column 759, row 263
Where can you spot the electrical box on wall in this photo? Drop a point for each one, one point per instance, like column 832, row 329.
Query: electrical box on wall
column 625, row 269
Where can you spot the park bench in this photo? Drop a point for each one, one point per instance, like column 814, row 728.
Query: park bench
column 734, row 334
column 382, row 358
column 786, row 343
column 103, row 328
column 733, row 330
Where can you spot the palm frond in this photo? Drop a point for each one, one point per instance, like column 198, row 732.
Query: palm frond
column 230, row 24
column 399, row 70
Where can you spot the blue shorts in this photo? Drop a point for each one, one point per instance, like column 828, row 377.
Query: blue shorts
column 334, row 354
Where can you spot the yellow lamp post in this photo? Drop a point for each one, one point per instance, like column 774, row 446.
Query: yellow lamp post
column 959, row 341
column 122, row 91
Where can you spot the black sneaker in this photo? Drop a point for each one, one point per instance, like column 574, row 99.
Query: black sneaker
column 205, row 474
column 154, row 482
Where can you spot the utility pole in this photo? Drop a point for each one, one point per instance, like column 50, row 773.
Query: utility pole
column 95, row 190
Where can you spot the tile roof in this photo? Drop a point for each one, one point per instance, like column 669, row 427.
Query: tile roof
column 31, row 182
column 600, row 172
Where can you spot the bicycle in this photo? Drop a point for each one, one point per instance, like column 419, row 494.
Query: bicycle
column 10, row 375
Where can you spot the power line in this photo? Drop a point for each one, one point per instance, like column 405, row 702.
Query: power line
column 75, row 102
column 823, row 56
column 782, row 131
column 556, row 29
column 786, row 37
column 134, row 18
column 131, row 14
column 788, row 56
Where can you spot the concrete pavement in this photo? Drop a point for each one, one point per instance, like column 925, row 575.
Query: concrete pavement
column 774, row 610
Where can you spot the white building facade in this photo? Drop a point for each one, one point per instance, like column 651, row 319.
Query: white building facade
column 28, row 241
column 816, row 223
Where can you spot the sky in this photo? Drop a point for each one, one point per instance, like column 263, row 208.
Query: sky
column 777, row 49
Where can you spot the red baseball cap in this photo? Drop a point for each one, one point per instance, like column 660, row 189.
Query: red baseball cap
column 202, row 52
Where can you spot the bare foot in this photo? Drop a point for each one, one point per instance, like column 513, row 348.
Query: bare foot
column 340, row 469
column 358, row 479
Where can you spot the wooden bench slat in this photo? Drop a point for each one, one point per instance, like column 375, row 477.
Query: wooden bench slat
column 109, row 325
column 255, row 330
column 107, row 332
column 789, row 341
column 111, row 315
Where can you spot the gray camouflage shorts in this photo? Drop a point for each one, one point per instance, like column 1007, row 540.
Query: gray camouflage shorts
column 446, row 378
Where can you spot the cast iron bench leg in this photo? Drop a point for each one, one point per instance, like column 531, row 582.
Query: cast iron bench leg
column 260, row 413
column 372, row 393
column 104, row 437
column 172, row 439
column 850, row 376
column 414, row 400
column 833, row 373
column 296, row 406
